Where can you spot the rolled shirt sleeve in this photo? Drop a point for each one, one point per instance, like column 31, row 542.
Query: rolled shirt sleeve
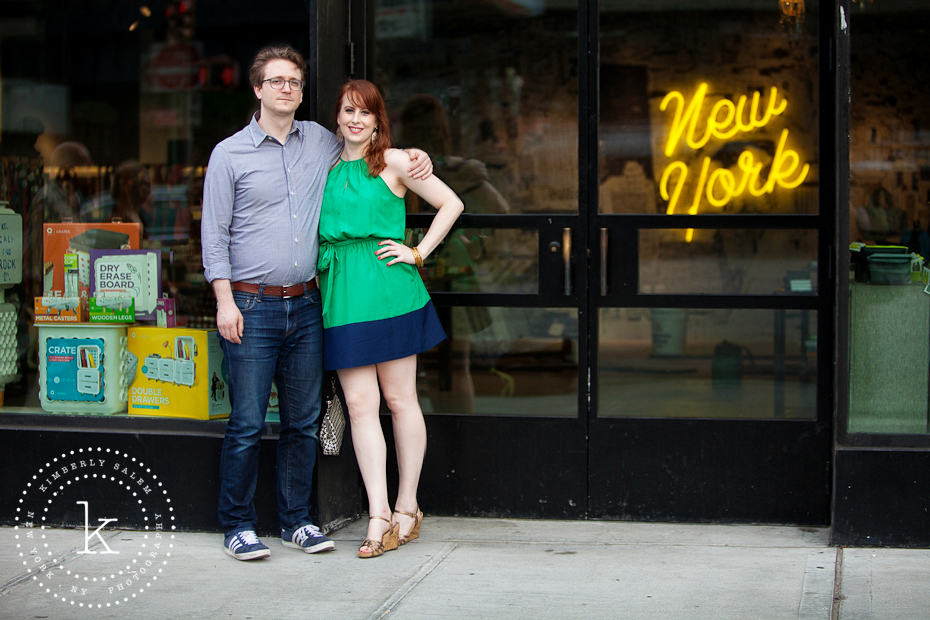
column 219, row 190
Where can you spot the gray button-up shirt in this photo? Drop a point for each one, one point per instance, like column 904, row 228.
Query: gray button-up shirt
column 261, row 204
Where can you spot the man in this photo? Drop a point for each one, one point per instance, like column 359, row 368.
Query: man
column 261, row 205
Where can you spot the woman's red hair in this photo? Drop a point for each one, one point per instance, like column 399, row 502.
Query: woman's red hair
column 364, row 94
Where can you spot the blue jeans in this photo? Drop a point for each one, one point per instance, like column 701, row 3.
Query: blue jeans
column 282, row 339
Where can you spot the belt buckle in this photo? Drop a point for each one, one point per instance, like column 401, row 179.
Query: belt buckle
column 284, row 294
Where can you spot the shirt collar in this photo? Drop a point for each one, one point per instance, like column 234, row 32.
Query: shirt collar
column 259, row 135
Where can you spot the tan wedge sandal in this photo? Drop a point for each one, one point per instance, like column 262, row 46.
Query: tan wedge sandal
column 414, row 532
column 388, row 541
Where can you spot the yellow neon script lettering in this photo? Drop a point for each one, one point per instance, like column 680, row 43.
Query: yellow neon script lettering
column 693, row 129
column 725, row 119
column 723, row 185
column 784, row 165
column 672, row 198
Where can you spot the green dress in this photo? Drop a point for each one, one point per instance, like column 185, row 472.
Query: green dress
column 372, row 312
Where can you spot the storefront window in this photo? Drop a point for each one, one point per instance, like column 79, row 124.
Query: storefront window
column 708, row 363
column 889, row 216
column 109, row 113
column 709, row 108
column 491, row 90
column 732, row 261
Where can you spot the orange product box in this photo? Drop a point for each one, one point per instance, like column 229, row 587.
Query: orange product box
column 59, row 310
column 61, row 238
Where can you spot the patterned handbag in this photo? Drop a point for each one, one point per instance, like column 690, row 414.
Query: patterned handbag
column 333, row 426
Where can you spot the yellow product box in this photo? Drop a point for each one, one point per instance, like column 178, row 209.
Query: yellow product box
column 179, row 373
column 59, row 310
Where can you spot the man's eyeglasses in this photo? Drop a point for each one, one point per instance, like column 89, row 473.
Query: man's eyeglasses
column 278, row 83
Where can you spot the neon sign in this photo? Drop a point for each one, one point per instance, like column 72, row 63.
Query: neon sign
column 693, row 128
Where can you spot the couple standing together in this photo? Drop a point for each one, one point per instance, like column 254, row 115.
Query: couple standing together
column 287, row 205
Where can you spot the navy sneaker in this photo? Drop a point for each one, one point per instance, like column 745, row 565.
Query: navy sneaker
column 308, row 538
column 245, row 545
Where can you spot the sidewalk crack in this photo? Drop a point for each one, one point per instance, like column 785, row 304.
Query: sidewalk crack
column 66, row 557
column 401, row 593
column 837, row 585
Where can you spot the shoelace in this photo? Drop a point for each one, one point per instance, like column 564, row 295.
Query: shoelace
column 303, row 533
column 249, row 537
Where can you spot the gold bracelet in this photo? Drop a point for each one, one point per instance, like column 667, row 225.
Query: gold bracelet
column 416, row 256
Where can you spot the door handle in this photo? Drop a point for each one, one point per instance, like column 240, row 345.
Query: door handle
column 603, row 262
column 567, row 258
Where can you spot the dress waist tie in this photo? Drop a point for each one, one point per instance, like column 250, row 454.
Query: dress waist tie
column 329, row 256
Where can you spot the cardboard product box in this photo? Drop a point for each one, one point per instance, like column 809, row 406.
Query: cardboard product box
column 84, row 368
column 72, row 263
column 62, row 238
column 127, row 273
column 164, row 312
column 11, row 246
column 111, row 310
column 179, row 374
column 59, row 310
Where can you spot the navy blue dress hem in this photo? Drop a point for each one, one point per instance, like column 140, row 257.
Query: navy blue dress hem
column 382, row 340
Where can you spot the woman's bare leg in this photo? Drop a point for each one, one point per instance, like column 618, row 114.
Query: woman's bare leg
column 398, row 384
column 363, row 401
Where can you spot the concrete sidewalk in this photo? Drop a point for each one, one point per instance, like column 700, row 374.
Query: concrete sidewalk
column 475, row 568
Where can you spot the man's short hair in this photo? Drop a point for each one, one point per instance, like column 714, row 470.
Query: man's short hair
column 275, row 52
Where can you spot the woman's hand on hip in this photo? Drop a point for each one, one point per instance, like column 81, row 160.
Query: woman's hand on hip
column 398, row 252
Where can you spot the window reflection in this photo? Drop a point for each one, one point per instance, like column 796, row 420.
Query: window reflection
column 703, row 124
column 501, row 109
column 503, row 361
column 483, row 260
column 110, row 114
column 889, row 142
column 889, row 205
column 728, row 262
column 704, row 363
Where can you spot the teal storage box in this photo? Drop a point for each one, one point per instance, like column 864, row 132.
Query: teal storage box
column 84, row 368
column 886, row 268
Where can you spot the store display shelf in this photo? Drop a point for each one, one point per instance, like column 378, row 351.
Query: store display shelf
column 32, row 419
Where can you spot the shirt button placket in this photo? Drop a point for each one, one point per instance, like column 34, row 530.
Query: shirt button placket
column 290, row 200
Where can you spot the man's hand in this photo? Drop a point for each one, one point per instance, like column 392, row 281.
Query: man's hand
column 228, row 318
column 421, row 166
column 229, row 321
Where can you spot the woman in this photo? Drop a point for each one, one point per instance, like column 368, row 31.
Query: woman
column 377, row 314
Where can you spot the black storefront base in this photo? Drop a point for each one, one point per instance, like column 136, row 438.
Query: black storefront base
column 184, row 454
column 882, row 497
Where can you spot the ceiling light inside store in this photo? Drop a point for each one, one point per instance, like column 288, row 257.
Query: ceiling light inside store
column 791, row 9
column 792, row 15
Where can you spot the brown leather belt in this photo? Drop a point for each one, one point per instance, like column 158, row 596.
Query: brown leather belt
column 295, row 290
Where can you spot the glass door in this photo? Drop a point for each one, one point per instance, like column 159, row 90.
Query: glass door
column 636, row 293
column 490, row 90
column 711, row 290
